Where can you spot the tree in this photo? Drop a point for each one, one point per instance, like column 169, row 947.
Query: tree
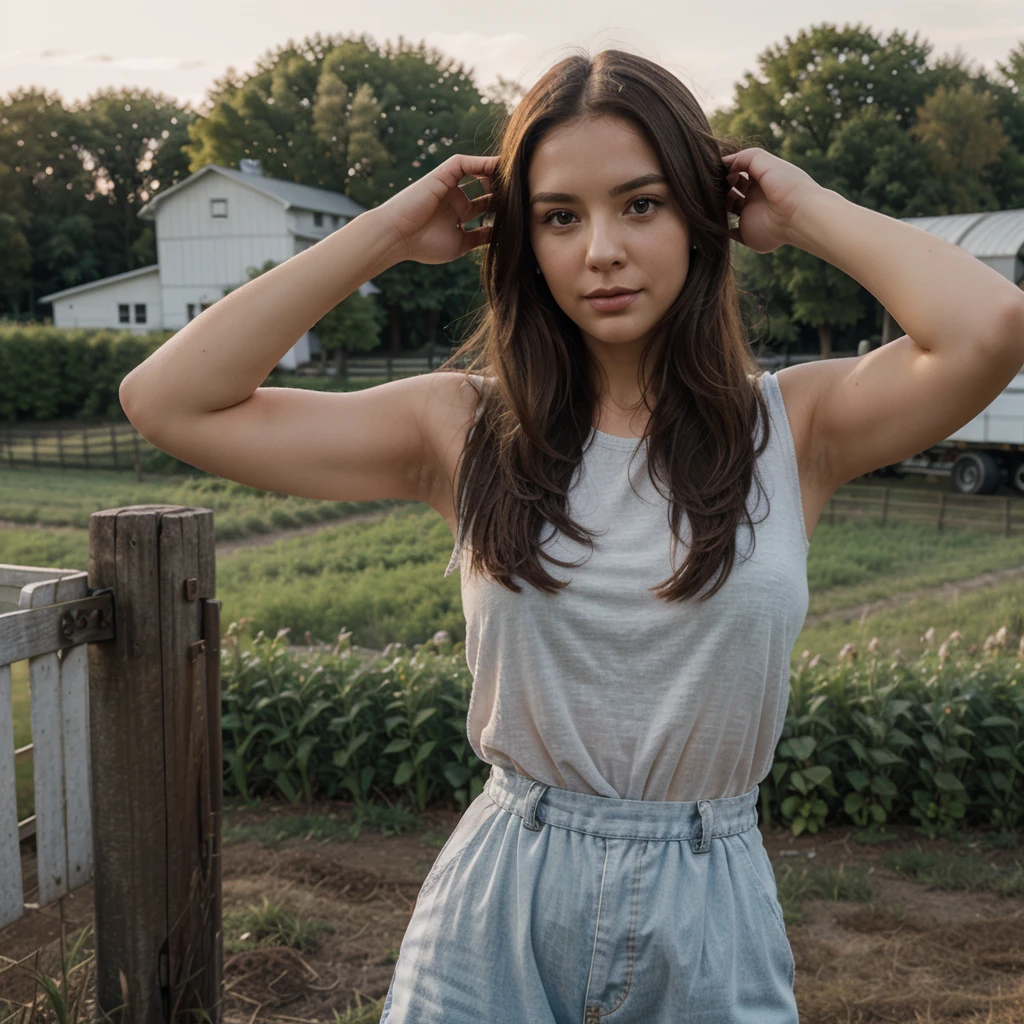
column 131, row 141
column 366, row 155
column 15, row 259
column 868, row 118
column 353, row 325
column 346, row 114
column 963, row 139
column 46, row 236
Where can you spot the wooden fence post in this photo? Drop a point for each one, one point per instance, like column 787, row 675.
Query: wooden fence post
column 156, row 768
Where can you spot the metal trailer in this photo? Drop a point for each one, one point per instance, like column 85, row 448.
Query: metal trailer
column 988, row 451
column 981, row 455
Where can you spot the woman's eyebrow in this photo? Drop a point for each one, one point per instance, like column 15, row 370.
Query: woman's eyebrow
column 616, row 190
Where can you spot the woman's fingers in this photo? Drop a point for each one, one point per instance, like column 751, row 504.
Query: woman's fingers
column 742, row 162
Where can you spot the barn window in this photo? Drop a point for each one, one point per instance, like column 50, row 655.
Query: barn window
column 122, row 313
column 140, row 312
column 191, row 307
column 218, row 207
column 318, row 220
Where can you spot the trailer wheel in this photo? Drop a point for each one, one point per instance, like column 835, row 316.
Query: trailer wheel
column 1017, row 476
column 975, row 473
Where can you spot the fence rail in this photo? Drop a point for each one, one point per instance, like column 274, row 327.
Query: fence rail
column 946, row 511
column 392, row 366
column 124, row 684
column 115, row 446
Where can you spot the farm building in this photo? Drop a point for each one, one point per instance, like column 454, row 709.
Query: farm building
column 996, row 237
column 209, row 229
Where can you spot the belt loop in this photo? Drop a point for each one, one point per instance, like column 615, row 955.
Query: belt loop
column 707, row 823
column 533, row 797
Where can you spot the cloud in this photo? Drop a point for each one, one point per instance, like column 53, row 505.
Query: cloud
column 68, row 58
column 506, row 54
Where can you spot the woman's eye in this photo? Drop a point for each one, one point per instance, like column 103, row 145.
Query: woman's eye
column 644, row 199
column 557, row 213
column 649, row 202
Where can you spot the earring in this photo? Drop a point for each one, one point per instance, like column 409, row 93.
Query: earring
column 538, row 268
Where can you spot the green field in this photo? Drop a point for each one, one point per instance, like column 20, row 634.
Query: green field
column 384, row 582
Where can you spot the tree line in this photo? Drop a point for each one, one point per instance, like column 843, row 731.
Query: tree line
column 867, row 115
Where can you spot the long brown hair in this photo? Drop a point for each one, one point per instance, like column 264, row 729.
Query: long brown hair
column 520, row 458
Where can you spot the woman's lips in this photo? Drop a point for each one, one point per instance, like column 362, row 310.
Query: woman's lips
column 610, row 303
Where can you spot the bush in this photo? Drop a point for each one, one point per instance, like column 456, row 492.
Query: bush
column 867, row 741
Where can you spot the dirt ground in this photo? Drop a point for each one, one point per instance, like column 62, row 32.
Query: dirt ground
column 912, row 953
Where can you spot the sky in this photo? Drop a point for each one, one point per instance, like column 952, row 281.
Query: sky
column 75, row 49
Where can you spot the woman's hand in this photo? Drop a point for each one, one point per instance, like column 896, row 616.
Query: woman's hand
column 425, row 219
column 767, row 194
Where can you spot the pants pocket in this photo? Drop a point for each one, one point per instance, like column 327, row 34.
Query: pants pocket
column 762, row 877
column 461, row 835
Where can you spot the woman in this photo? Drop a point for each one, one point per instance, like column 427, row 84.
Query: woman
column 612, row 868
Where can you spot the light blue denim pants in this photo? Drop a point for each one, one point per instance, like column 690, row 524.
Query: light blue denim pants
column 547, row 906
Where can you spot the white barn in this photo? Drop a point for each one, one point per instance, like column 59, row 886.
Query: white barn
column 209, row 229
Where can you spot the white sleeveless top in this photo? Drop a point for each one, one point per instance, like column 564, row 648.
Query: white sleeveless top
column 602, row 688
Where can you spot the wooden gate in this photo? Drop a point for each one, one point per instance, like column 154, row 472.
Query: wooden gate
column 124, row 670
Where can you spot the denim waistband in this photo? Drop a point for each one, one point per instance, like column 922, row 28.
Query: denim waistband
column 697, row 821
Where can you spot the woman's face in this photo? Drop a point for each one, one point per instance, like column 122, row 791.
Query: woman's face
column 585, row 237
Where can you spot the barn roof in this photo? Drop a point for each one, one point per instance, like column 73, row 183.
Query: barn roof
column 288, row 193
column 987, row 235
column 89, row 285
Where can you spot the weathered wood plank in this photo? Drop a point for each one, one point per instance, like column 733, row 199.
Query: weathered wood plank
column 127, row 779
column 57, row 684
column 157, row 918
column 29, row 632
column 12, row 896
column 14, row 577
column 48, row 774
column 184, row 535
column 74, row 703
column 211, row 633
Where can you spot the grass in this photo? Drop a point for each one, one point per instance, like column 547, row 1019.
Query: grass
column 69, row 996
column 388, row 821
column 384, row 580
column 63, row 500
column 961, row 872
column 269, row 924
